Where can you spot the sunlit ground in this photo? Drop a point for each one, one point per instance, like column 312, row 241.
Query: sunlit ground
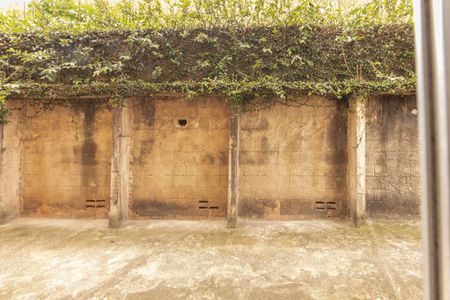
column 320, row 259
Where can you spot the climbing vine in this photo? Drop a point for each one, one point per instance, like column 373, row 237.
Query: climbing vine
column 76, row 16
column 243, row 50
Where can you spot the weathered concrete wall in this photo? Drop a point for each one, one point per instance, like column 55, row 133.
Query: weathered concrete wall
column 293, row 159
column 10, row 166
column 179, row 157
column 392, row 156
column 66, row 160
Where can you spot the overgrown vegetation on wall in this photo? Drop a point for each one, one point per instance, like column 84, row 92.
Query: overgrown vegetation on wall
column 103, row 15
column 61, row 49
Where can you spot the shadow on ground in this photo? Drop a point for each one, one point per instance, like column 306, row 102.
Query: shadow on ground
column 319, row 259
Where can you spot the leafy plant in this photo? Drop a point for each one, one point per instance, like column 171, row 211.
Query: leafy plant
column 64, row 49
column 77, row 16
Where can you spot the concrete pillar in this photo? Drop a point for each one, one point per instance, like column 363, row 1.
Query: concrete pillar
column 233, row 170
column 3, row 213
column 120, row 166
column 10, row 168
column 356, row 151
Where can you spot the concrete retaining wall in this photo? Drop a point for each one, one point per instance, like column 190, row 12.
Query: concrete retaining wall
column 293, row 159
column 179, row 157
column 392, row 172
column 297, row 158
column 61, row 156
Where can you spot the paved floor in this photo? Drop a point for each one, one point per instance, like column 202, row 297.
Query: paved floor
column 320, row 259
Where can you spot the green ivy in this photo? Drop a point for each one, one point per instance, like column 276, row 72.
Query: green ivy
column 379, row 53
column 240, row 48
column 81, row 16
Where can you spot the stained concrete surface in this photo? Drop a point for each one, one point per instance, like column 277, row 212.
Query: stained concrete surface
column 314, row 259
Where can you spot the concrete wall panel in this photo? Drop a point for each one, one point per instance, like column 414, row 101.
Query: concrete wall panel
column 292, row 156
column 179, row 170
column 392, row 156
column 10, row 164
column 65, row 160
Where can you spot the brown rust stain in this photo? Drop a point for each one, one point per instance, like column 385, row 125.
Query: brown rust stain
column 88, row 155
column 207, row 158
column 174, row 209
column 145, row 148
column 144, row 109
column 255, row 124
column 31, row 206
column 155, row 208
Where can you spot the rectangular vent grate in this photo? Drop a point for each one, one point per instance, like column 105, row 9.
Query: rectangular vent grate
column 323, row 205
column 95, row 203
column 204, row 204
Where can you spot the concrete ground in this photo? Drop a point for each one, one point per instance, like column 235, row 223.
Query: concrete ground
column 319, row 259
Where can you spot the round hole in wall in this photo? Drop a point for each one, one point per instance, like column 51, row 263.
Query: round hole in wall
column 182, row 122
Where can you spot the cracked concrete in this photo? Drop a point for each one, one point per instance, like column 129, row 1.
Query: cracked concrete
column 314, row 259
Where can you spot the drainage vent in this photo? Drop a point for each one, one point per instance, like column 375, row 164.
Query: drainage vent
column 182, row 122
column 95, row 203
column 204, row 204
column 322, row 205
